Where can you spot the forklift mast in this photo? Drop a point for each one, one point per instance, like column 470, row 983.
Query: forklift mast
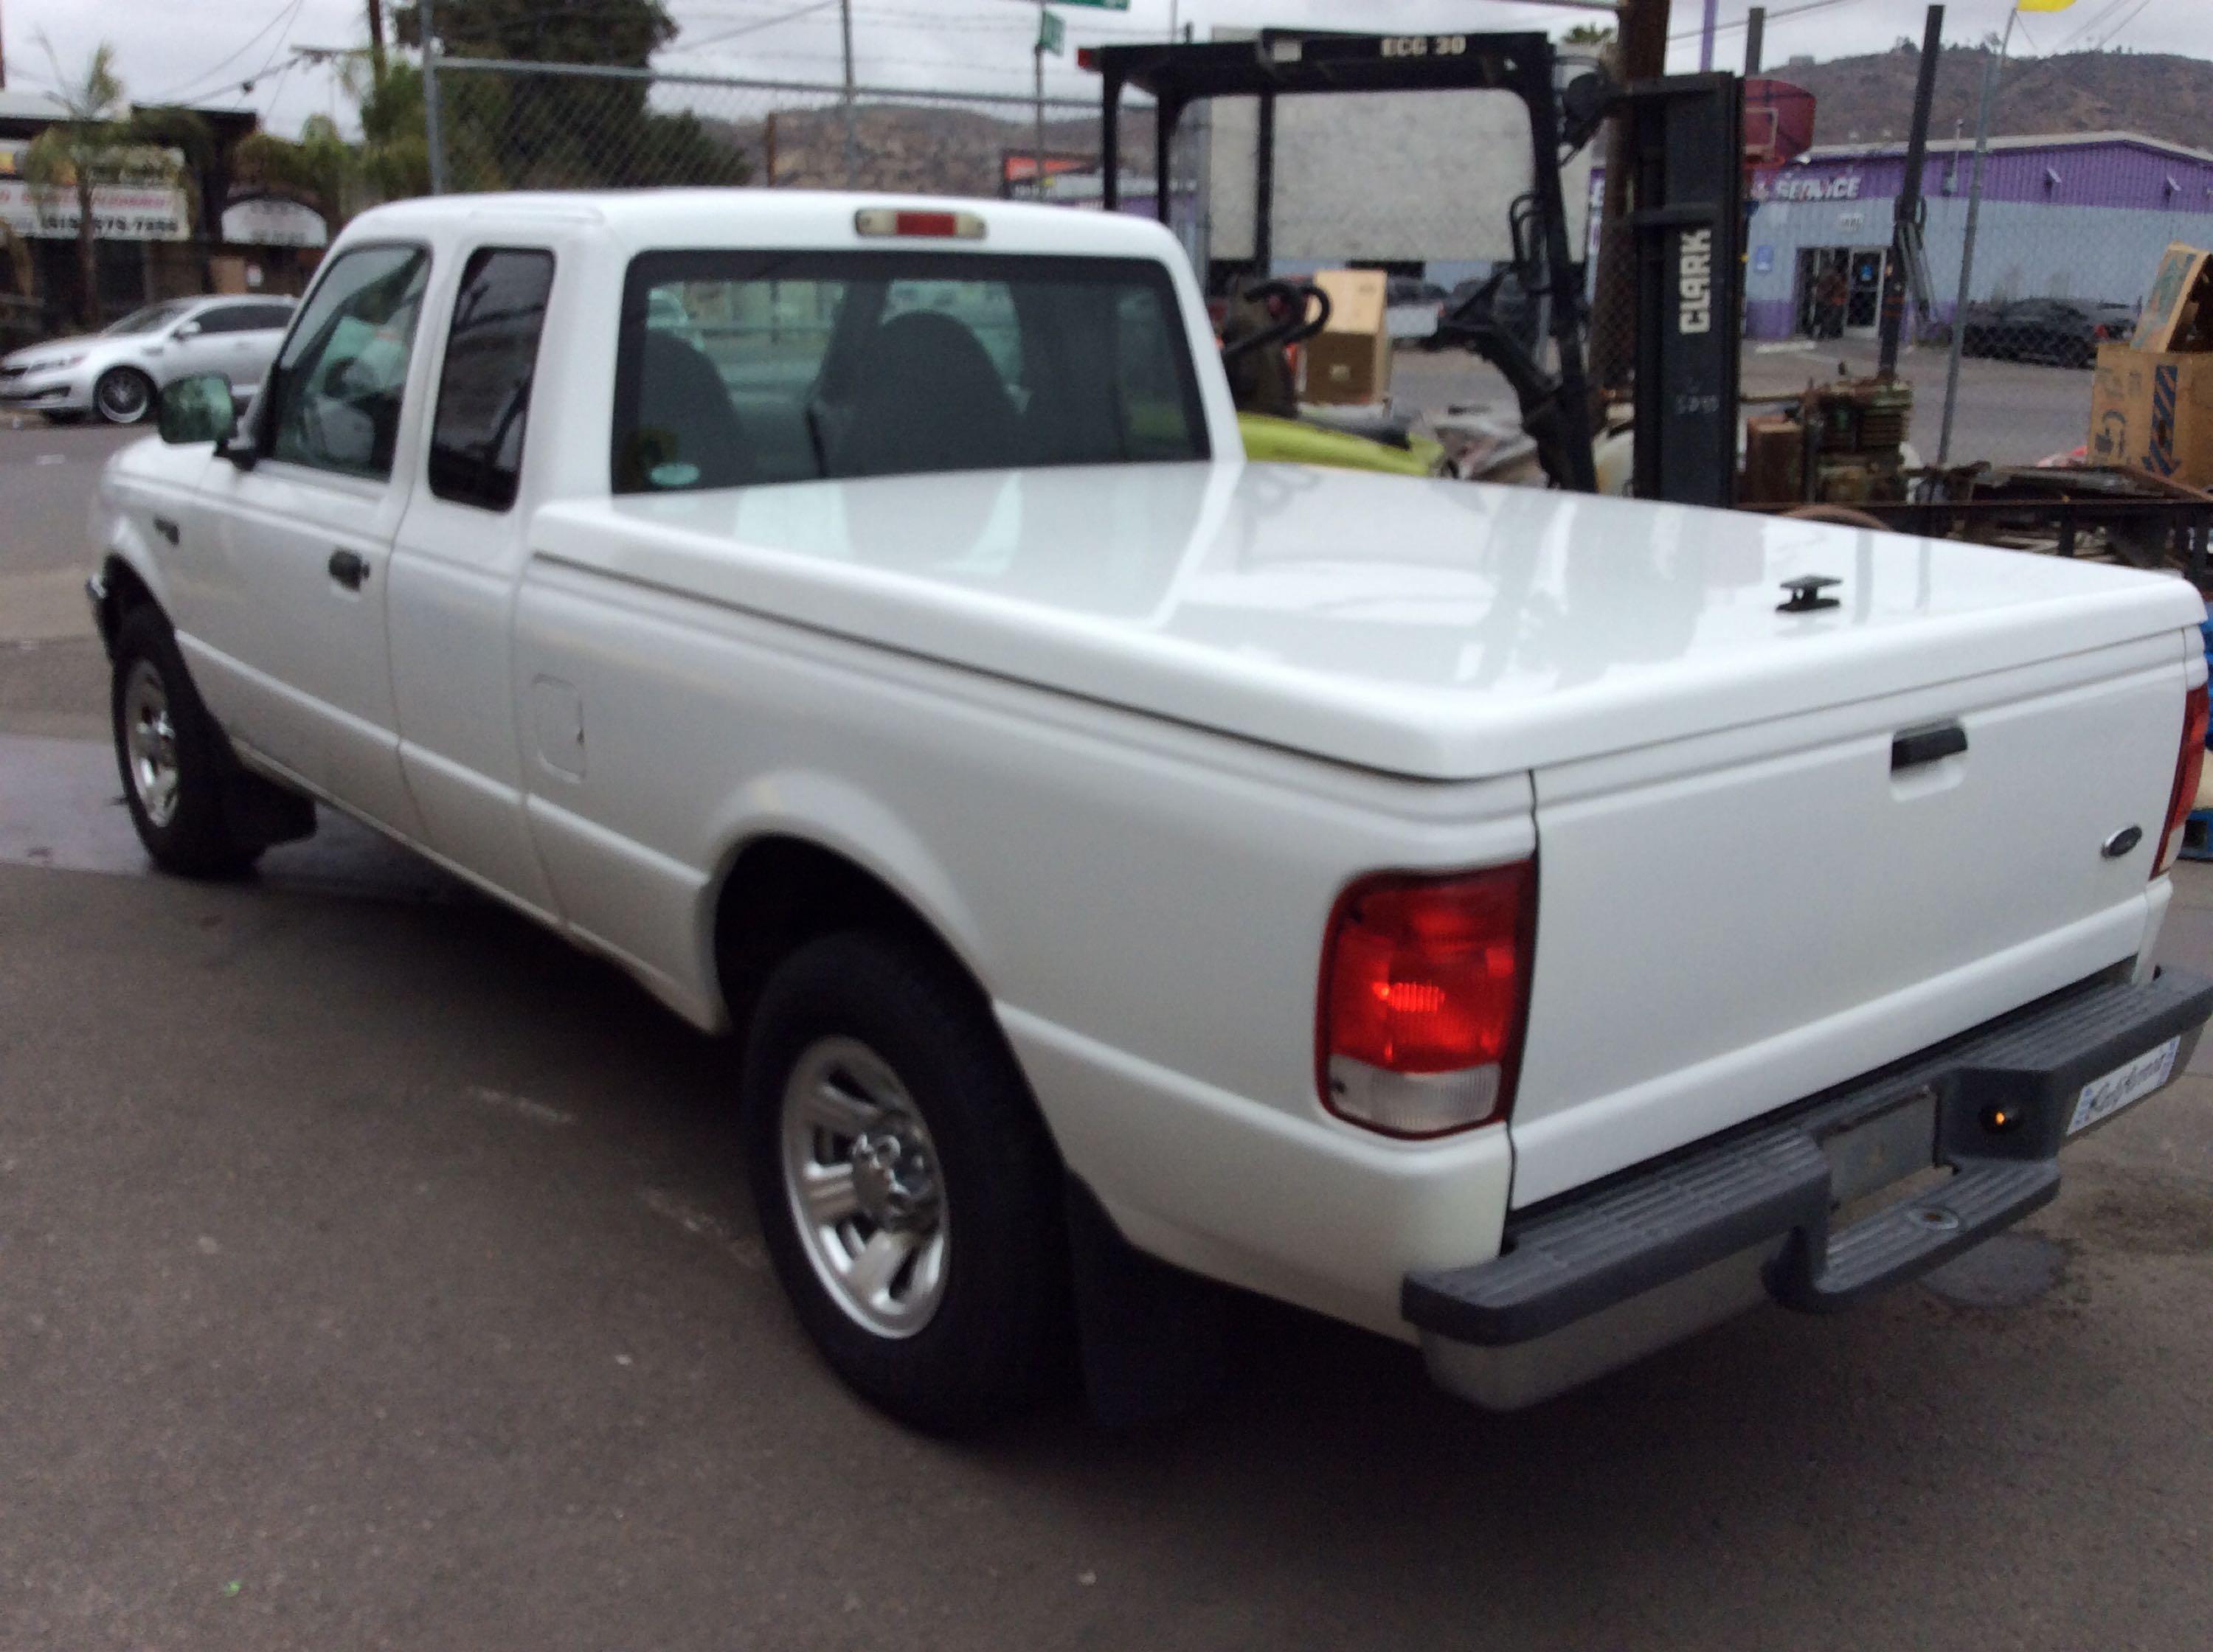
column 1282, row 61
column 1687, row 219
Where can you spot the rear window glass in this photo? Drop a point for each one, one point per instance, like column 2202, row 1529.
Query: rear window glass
column 739, row 369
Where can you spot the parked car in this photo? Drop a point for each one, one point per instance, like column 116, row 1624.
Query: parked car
column 2064, row 330
column 1458, row 910
column 1411, row 307
column 116, row 372
column 1510, row 305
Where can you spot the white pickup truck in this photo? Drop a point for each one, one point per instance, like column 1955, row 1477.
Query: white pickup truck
column 1528, row 925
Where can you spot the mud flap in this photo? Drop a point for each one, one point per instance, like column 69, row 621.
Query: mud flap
column 1154, row 1339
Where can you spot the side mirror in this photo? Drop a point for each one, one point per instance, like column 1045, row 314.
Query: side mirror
column 187, row 330
column 197, row 409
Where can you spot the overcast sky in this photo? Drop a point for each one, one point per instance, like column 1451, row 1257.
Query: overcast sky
column 201, row 50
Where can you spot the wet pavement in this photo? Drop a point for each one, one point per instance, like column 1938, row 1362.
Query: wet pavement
column 376, row 1271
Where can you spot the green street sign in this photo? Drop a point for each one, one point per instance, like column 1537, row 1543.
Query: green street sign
column 1051, row 37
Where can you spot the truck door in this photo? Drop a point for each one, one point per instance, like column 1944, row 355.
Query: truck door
column 288, row 621
column 455, row 567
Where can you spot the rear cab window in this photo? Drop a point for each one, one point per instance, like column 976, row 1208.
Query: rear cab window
column 741, row 369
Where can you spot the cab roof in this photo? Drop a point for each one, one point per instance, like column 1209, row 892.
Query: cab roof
column 642, row 219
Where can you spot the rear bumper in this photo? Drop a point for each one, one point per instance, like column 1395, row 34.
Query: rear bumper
column 1601, row 1276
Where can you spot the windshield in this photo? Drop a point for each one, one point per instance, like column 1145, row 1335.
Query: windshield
column 152, row 319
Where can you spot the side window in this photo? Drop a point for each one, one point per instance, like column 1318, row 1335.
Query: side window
column 226, row 318
column 335, row 400
column 264, row 318
column 483, row 391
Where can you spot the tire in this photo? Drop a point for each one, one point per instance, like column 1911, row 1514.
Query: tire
column 123, row 395
column 172, row 758
column 947, row 1164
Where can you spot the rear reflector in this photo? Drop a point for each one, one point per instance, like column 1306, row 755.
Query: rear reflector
column 903, row 220
column 1424, row 990
column 2189, row 768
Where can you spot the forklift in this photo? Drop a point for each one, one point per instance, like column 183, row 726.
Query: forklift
column 1688, row 229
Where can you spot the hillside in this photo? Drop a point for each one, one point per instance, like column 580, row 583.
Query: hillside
column 929, row 148
column 1868, row 100
column 938, row 150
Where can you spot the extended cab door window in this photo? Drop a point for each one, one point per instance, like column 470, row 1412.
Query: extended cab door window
column 335, row 405
column 484, row 391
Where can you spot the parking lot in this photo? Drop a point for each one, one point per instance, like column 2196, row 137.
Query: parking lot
column 2008, row 413
column 376, row 1272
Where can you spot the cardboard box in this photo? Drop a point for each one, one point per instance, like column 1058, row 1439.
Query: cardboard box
column 2178, row 312
column 2153, row 409
column 1350, row 359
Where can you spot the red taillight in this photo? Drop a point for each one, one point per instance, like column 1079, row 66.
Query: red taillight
column 2189, row 767
column 1424, row 988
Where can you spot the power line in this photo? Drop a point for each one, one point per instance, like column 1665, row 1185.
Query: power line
column 280, row 15
column 2112, row 33
column 1773, row 18
column 749, row 28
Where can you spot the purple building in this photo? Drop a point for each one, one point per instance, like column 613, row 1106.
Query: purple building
column 2082, row 217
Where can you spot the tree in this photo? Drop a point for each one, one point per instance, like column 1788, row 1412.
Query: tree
column 89, row 147
column 510, row 130
column 321, row 169
column 1597, row 35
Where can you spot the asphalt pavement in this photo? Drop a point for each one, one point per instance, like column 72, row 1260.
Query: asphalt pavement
column 375, row 1271
column 2008, row 412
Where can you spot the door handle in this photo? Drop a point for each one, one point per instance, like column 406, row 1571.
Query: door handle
column 1929, row 744
column 350, row 568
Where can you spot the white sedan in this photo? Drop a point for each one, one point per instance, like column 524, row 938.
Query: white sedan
column 117, row 373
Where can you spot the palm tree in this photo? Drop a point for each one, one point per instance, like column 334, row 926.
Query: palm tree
column 74, row 152
column 337, row 177
column 100, row 140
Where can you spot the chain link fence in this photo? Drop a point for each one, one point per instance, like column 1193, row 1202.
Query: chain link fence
column 2027, row 264
column 534, row 125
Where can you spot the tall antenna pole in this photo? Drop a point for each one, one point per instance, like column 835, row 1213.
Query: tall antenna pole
column 376, row 41
column 434, row 127
column 845, row 29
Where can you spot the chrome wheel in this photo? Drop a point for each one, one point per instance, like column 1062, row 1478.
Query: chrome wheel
column 123, row 396
column 861, row 1174
column 150, row 742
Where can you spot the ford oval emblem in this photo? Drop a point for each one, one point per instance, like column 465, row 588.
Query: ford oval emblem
column 2122, row 841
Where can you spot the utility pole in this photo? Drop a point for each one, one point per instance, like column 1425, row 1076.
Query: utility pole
column 1706, row 39
column 3, row 58
column 846, row 30
column 1991, row 66
column 1643, row 42
column 376, row 42
column 1905, row 213
column 1755, row 36
column 434, row 130
column 1036, row 90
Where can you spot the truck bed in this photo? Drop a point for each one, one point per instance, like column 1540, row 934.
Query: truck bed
column 1441, row 631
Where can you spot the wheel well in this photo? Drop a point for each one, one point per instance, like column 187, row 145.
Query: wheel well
column 782, row 892
column 124, row 592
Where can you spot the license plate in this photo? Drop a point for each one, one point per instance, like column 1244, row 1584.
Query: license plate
column 2102, row 1097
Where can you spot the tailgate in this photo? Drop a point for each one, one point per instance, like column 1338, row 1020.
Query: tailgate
column 1731, row 923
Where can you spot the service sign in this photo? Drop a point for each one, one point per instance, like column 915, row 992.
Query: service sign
column 149, row 209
